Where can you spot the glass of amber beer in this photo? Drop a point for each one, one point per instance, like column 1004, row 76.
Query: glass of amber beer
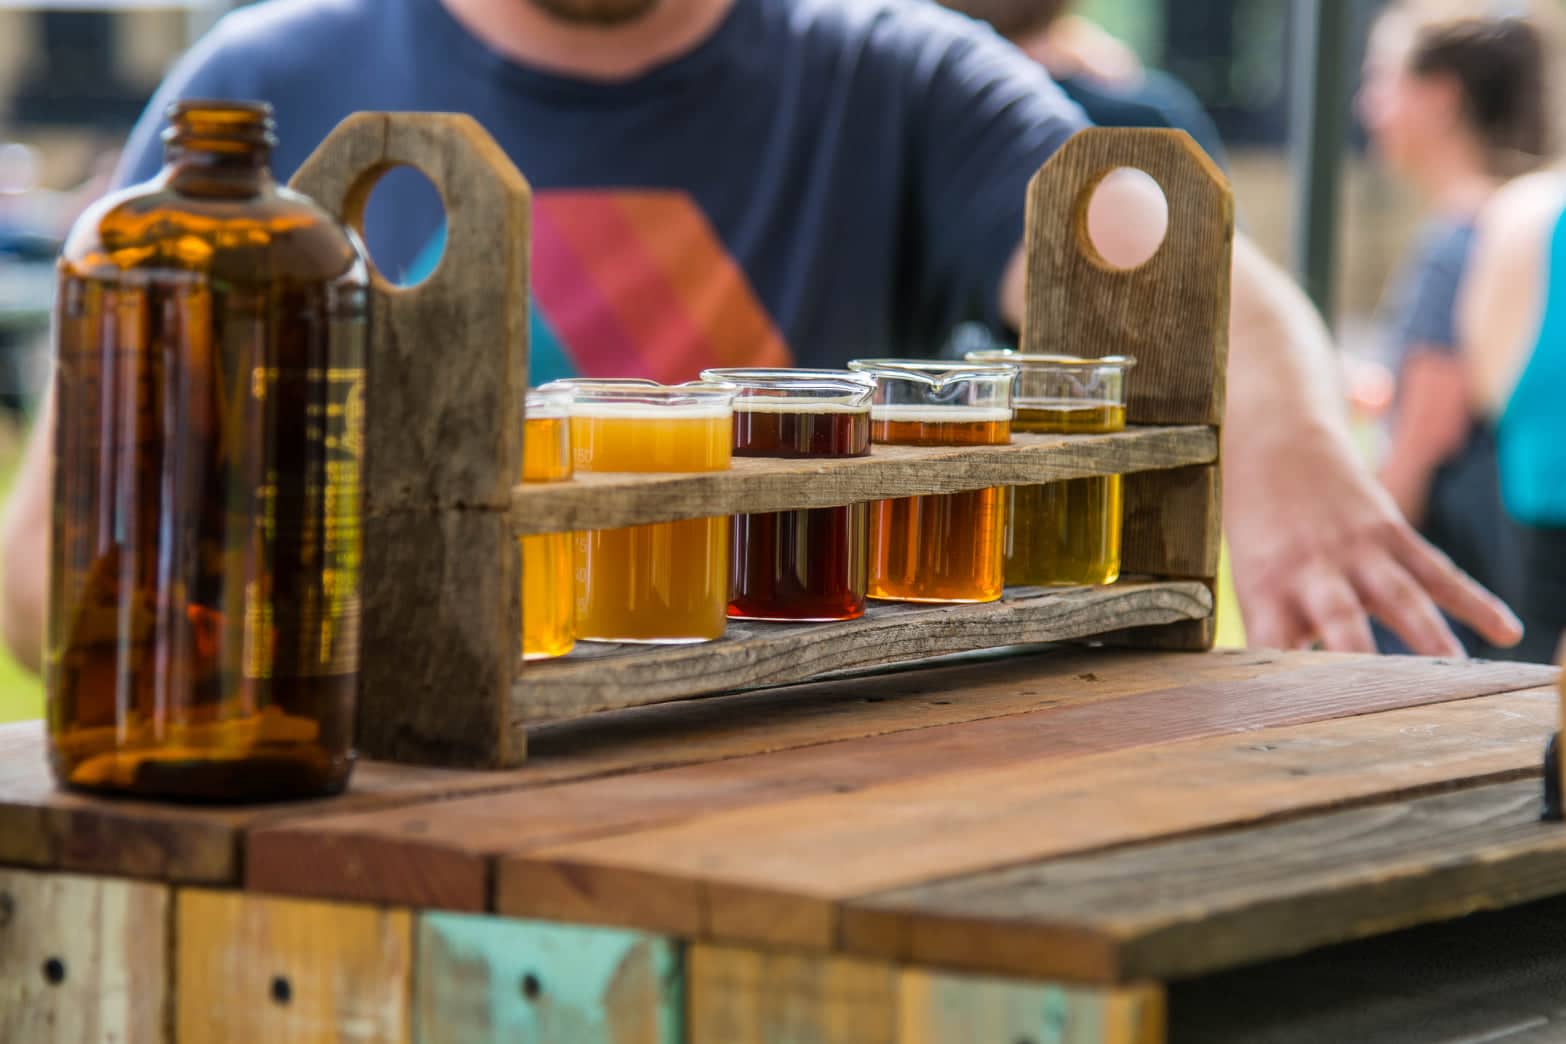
column 805, row 564
column 548, row 574
column 944, row 548
column 667, row 582
column 1065, row 532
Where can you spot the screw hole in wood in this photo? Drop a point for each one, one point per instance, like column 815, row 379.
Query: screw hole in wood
column 531, row 987
column 54, row 971
column 282, row 990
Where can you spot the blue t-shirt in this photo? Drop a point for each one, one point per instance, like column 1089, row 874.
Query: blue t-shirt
column 815, row 181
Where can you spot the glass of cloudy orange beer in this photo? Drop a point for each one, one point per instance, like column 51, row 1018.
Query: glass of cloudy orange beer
column 947, row 547
column 1065, row 532
column 548, row 584
column 667, row 582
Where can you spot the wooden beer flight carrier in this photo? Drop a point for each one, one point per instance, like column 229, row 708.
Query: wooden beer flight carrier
column 1059, row 844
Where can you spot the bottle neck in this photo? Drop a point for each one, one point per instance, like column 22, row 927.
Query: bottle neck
column 222, row 148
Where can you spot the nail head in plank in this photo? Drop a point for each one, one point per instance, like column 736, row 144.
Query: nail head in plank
column 599, row 501
column 82, row 959
column 752, row 655
column 528, row 982
column 940, row 1008
column 740, row 996
column 257, row 970
column 751, row 871
column 1188, row 907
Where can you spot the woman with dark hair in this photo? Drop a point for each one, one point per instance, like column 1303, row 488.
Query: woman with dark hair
column 1455, row 103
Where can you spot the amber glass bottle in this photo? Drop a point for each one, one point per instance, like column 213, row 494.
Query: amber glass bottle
column 203, row 634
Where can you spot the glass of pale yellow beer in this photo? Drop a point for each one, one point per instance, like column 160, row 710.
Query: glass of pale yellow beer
column 667, row 582
column 943, row 548
column 548, row 573
column 1065, row 532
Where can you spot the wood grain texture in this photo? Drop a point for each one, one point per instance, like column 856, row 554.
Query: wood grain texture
column 440, row 855
column 1172, row 523
column 441, row 573
column 43, row 826
column 82, row 959
column 740, row 996
column 752, row 655
column 598, row 501
column 492, row 979
column 940, row 1008
column 1189, row 907
column 257, row 970
column 763, row 874
column 1171, row 313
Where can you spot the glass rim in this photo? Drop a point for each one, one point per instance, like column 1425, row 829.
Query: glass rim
column 546, row 400
column 851, row 388
column 934, row 372
column 641, row 390
column 1042, row 359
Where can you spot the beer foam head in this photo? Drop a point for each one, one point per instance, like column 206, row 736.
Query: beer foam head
column 913, row 413
column 796, row 404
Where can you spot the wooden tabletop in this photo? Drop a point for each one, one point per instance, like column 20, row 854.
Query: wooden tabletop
column 1074, row 814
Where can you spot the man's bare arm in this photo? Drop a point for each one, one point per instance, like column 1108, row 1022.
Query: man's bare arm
column 24, row 554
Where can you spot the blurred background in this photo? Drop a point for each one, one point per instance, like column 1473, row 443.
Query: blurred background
column 1274, row 75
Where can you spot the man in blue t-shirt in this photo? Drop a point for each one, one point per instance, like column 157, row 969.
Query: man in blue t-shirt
column 771, row 182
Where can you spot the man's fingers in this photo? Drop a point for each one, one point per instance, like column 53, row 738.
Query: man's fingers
column 1456, row 592
column 1404, row 607
column 1273, row 625
column 1334, row 612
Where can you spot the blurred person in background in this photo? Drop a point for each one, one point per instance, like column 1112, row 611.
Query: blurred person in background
column 1455, row 101
column 1095, row 69
column 1512, row 318
column 775, row 182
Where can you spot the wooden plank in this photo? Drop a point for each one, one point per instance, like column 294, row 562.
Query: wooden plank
column 1232, row 898
column 752, row 655
column 1171, row 313
column 763, row 874
column 1007, row 712
column 270, row 971
column 601, row 501
column 82, row 959
column 494, row 979
column 43, row 826
column 742, row 996
column 46, row 827
column 440, row 572
column 940, row 1008
column 1173, row 529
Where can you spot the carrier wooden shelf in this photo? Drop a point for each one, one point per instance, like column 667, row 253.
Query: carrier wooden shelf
column 442, row 679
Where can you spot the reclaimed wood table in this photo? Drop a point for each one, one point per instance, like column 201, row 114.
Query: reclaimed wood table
column 1052, row 846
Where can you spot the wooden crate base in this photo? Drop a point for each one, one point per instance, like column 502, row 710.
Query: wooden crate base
column 601, row 677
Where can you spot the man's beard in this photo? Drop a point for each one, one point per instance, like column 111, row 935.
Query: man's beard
column 596, row 12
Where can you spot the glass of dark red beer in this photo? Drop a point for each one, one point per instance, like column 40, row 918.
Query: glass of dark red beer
column 809, row 564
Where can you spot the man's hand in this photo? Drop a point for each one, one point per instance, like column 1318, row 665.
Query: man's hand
column 1317, row 547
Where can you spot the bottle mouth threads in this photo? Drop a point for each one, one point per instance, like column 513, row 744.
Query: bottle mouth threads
column 220, row 126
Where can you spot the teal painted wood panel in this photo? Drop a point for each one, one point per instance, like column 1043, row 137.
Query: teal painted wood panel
column 962, row 1009
column 479, row 979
